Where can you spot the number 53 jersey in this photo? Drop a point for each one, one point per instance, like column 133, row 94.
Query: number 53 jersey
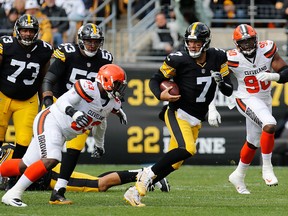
column 246, row 69
column 22, row 67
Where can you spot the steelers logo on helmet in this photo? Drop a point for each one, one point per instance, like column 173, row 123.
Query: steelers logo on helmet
column 26, row 22
column 113, row 80
column 245, row 39
column 201, row 35
column 90, row 39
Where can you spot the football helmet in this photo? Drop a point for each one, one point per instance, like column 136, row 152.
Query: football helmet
column 90, row 31
column 113, row 80
column 26, row 21
column 245, row 39
column 200, row 32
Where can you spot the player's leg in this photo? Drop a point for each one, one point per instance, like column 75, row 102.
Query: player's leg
column 68, row 165
column 182, row 146
column 43, row 154
column 5, row 115
column 24, row 113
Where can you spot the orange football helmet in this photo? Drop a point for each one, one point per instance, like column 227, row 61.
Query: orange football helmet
column 245, row 39
column 113, row 80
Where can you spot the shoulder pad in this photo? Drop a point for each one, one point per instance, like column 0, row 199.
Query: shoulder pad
column 85, row 89
column 268, row 48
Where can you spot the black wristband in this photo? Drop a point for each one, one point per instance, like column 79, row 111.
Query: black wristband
column 48, row 101
column 70, row 111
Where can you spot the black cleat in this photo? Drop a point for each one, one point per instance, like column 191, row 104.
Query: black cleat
column 58, row 198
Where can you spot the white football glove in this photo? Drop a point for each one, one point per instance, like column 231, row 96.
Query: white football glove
column 217, row 76
column 122, row 116
column 214, row 117
column 265, row 76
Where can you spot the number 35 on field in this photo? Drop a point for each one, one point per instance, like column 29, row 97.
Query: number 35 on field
column 143, row 140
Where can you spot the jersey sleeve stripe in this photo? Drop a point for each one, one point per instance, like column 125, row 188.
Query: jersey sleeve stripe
column 271, row 52
column 167, row 70
column 41, row 120
column 233, row 64
column 1, row 49
column 60, row 55
column 80, row 91
column 241, row 105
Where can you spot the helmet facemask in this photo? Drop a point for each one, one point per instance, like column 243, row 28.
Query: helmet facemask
column 193, row 54
column 27, row 22
column 247, row 46
column 90, row 35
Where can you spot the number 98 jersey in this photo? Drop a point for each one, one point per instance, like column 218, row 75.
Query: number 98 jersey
column 70, row 65
column 22, row 67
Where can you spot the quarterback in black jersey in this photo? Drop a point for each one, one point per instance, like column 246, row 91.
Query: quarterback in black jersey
column 24, row 61
column 74, row 62
column 198, row 71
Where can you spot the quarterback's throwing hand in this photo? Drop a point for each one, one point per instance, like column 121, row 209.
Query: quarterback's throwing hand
column 217, row 76
column 81, row 119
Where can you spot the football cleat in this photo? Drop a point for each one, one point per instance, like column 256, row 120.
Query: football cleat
column 163, row 185
column 144, row 179
column 132, row 197
column 12, row 199
column 58, row 198
column 238, row 181
column 269, row 176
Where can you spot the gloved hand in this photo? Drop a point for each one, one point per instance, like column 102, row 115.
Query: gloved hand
column 48, row 101
column 214, row 117
column 122, row 116
column 217, row 76
column 98, row 152
column 265, row 76
column 81, row 119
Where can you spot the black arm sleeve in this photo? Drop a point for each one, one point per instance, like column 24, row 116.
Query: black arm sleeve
column 49, row 81
column 226, row 86
column 283, row 74
column 154, row 84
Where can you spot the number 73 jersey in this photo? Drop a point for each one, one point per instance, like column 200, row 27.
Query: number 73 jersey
column 245, row 70
column 21, row 67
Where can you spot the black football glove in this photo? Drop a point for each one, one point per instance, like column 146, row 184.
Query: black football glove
column 81, row 119
column 98, row 152
column 48, row 101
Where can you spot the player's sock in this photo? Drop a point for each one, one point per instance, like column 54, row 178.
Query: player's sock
column 247, row 154
column 266, row 142
column 68, row 163
column 10, row 168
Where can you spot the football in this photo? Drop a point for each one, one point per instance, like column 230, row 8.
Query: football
column 166, row 84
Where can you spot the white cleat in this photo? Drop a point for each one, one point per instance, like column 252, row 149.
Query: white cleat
column 133, row 197
column 144, row 179
column 13, row 200
column 238, row 181
column 269, row 176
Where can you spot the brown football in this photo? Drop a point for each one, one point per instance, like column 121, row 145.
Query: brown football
column 166, row 84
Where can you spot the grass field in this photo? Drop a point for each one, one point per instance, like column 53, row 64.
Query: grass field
column 195, row 190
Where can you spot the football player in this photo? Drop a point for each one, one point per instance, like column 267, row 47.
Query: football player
column 24, row 60
column 252, row 63
column 74, row 62
column 198, row 71
column 85, row 105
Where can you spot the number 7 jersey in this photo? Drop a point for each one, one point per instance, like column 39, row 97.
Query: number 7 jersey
column 245, row 70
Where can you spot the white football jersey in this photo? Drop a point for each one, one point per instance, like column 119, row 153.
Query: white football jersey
column 245, row 70
column 85, row 97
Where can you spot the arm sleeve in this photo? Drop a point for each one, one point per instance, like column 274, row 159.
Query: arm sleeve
column 154, row 84
column 70, row 98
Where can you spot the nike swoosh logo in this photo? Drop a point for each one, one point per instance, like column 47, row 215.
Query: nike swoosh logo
column 17, row 202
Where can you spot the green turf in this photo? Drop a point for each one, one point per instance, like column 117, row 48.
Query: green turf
column 195, row 190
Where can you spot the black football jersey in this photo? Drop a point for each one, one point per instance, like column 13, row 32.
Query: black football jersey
column 197, row 87
column 20, row 68
column 70, row 65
